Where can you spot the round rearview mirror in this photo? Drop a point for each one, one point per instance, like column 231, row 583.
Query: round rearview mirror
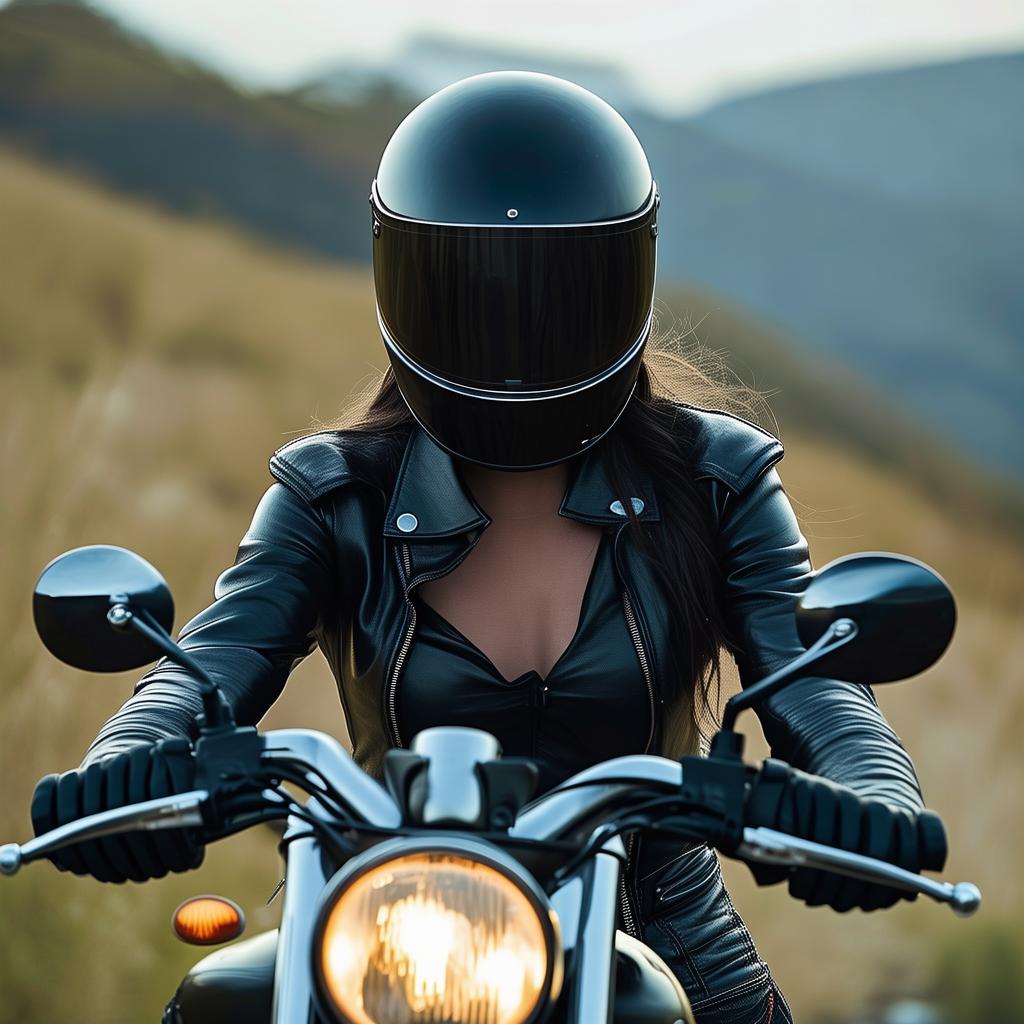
column 74, row 594
column 904, row 611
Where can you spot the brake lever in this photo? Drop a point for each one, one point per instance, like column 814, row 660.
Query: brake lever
column 180, row 810
column 767, row 846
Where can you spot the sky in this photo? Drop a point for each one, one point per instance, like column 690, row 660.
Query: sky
column 679, row 55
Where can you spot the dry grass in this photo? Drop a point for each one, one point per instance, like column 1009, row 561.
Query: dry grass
column 147, row 369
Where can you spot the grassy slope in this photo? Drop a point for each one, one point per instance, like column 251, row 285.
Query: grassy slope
column 147, row 368
column 75, row 86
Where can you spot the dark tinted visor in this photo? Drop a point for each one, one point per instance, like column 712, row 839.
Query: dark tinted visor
column 515, row 308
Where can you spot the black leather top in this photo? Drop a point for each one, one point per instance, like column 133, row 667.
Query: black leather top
column 592, row 705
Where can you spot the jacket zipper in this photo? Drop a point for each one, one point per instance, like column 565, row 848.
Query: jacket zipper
column 645, row 667
column 405, row 567
column 404, row 557
column 637, row 633
column 628, row 917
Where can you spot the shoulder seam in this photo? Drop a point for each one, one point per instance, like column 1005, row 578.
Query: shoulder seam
column 760, row 456
column 308, row 484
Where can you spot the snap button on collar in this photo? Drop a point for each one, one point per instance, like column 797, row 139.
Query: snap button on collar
column 617, row 508
column 407, row 522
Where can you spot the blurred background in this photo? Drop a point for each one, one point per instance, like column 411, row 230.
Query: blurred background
column 184, row 238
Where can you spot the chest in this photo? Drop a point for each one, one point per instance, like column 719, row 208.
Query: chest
column 518, row 595
column 589, row 700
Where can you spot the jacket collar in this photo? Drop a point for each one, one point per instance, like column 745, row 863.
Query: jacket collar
column 430, row 500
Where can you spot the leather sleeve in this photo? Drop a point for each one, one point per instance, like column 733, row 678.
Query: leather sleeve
column 261, row 624
column 823, row 726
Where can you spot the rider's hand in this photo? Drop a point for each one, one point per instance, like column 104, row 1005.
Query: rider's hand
column 814, row 808
column 141, row 773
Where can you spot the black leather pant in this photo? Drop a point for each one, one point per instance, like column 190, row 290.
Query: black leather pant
column 688, row 919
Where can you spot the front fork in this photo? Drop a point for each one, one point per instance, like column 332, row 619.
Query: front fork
column 306, row 874
column 587, row 906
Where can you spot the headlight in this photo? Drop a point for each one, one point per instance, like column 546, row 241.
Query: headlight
column 436, row 932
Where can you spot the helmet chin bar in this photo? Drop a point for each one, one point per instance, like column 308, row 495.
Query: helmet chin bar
column 516, row 430
column 585, row 445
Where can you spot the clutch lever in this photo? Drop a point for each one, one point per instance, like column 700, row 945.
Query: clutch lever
column 180, row 810
column 767, row 846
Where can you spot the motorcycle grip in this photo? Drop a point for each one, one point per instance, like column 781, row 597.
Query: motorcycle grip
column 793, row 801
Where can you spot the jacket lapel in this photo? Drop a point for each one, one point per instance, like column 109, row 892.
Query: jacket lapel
column 430, row 501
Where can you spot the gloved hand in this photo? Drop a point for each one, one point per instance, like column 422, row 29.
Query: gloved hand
column 142, row 773
column 814, row 808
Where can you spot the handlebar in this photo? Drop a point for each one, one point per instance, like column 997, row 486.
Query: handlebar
column 325, row 756
column 587, row 800
column 766, row 846
column 180, row 810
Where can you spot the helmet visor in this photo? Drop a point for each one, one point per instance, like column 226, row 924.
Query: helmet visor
column 514, row 309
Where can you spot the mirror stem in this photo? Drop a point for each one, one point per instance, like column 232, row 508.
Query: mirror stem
column 216, row 710
column 840, row 632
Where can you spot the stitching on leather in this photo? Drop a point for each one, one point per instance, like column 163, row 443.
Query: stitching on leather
column 287, row 474
column 665, row 927
column 667, row 903
column 758, row 464
column 737, row 920
column 785, row 1014
column 763, row 461
column 402, row 470
column 303, row 483
column 674, row 860
column 734, row 994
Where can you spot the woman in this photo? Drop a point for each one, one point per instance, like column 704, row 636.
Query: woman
column 522, row 534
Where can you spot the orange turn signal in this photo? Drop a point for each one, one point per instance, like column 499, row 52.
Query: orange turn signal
column 208, row 920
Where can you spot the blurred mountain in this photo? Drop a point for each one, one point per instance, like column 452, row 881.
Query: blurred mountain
column 922, row 297
column 881, row 218
column 875, row 219
column 941, row 133
column 427, row 62
column 76, row 87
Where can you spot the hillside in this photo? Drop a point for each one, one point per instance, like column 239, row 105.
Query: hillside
column 149, row 367
column 920, row 299
column 872, row 219
column 939, row 120
column 76, row 87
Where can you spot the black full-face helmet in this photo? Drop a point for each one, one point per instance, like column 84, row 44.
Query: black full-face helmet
column 514, row 245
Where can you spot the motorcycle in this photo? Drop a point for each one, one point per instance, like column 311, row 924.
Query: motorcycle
column 445, row 894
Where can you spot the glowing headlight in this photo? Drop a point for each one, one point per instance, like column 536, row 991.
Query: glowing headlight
column 456, row 935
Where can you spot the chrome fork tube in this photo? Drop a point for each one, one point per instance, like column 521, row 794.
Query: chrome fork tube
column 591, row 996
column 305, row 876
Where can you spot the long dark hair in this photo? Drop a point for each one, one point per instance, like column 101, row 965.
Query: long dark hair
column 683, row 552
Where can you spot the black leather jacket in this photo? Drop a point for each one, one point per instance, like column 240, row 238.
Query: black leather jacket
column 355, row 522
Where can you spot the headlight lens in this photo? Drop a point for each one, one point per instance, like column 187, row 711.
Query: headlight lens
column 437, row 936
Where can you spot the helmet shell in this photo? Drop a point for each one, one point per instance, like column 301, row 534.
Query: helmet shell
column 514, row 256
column 514, row 140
